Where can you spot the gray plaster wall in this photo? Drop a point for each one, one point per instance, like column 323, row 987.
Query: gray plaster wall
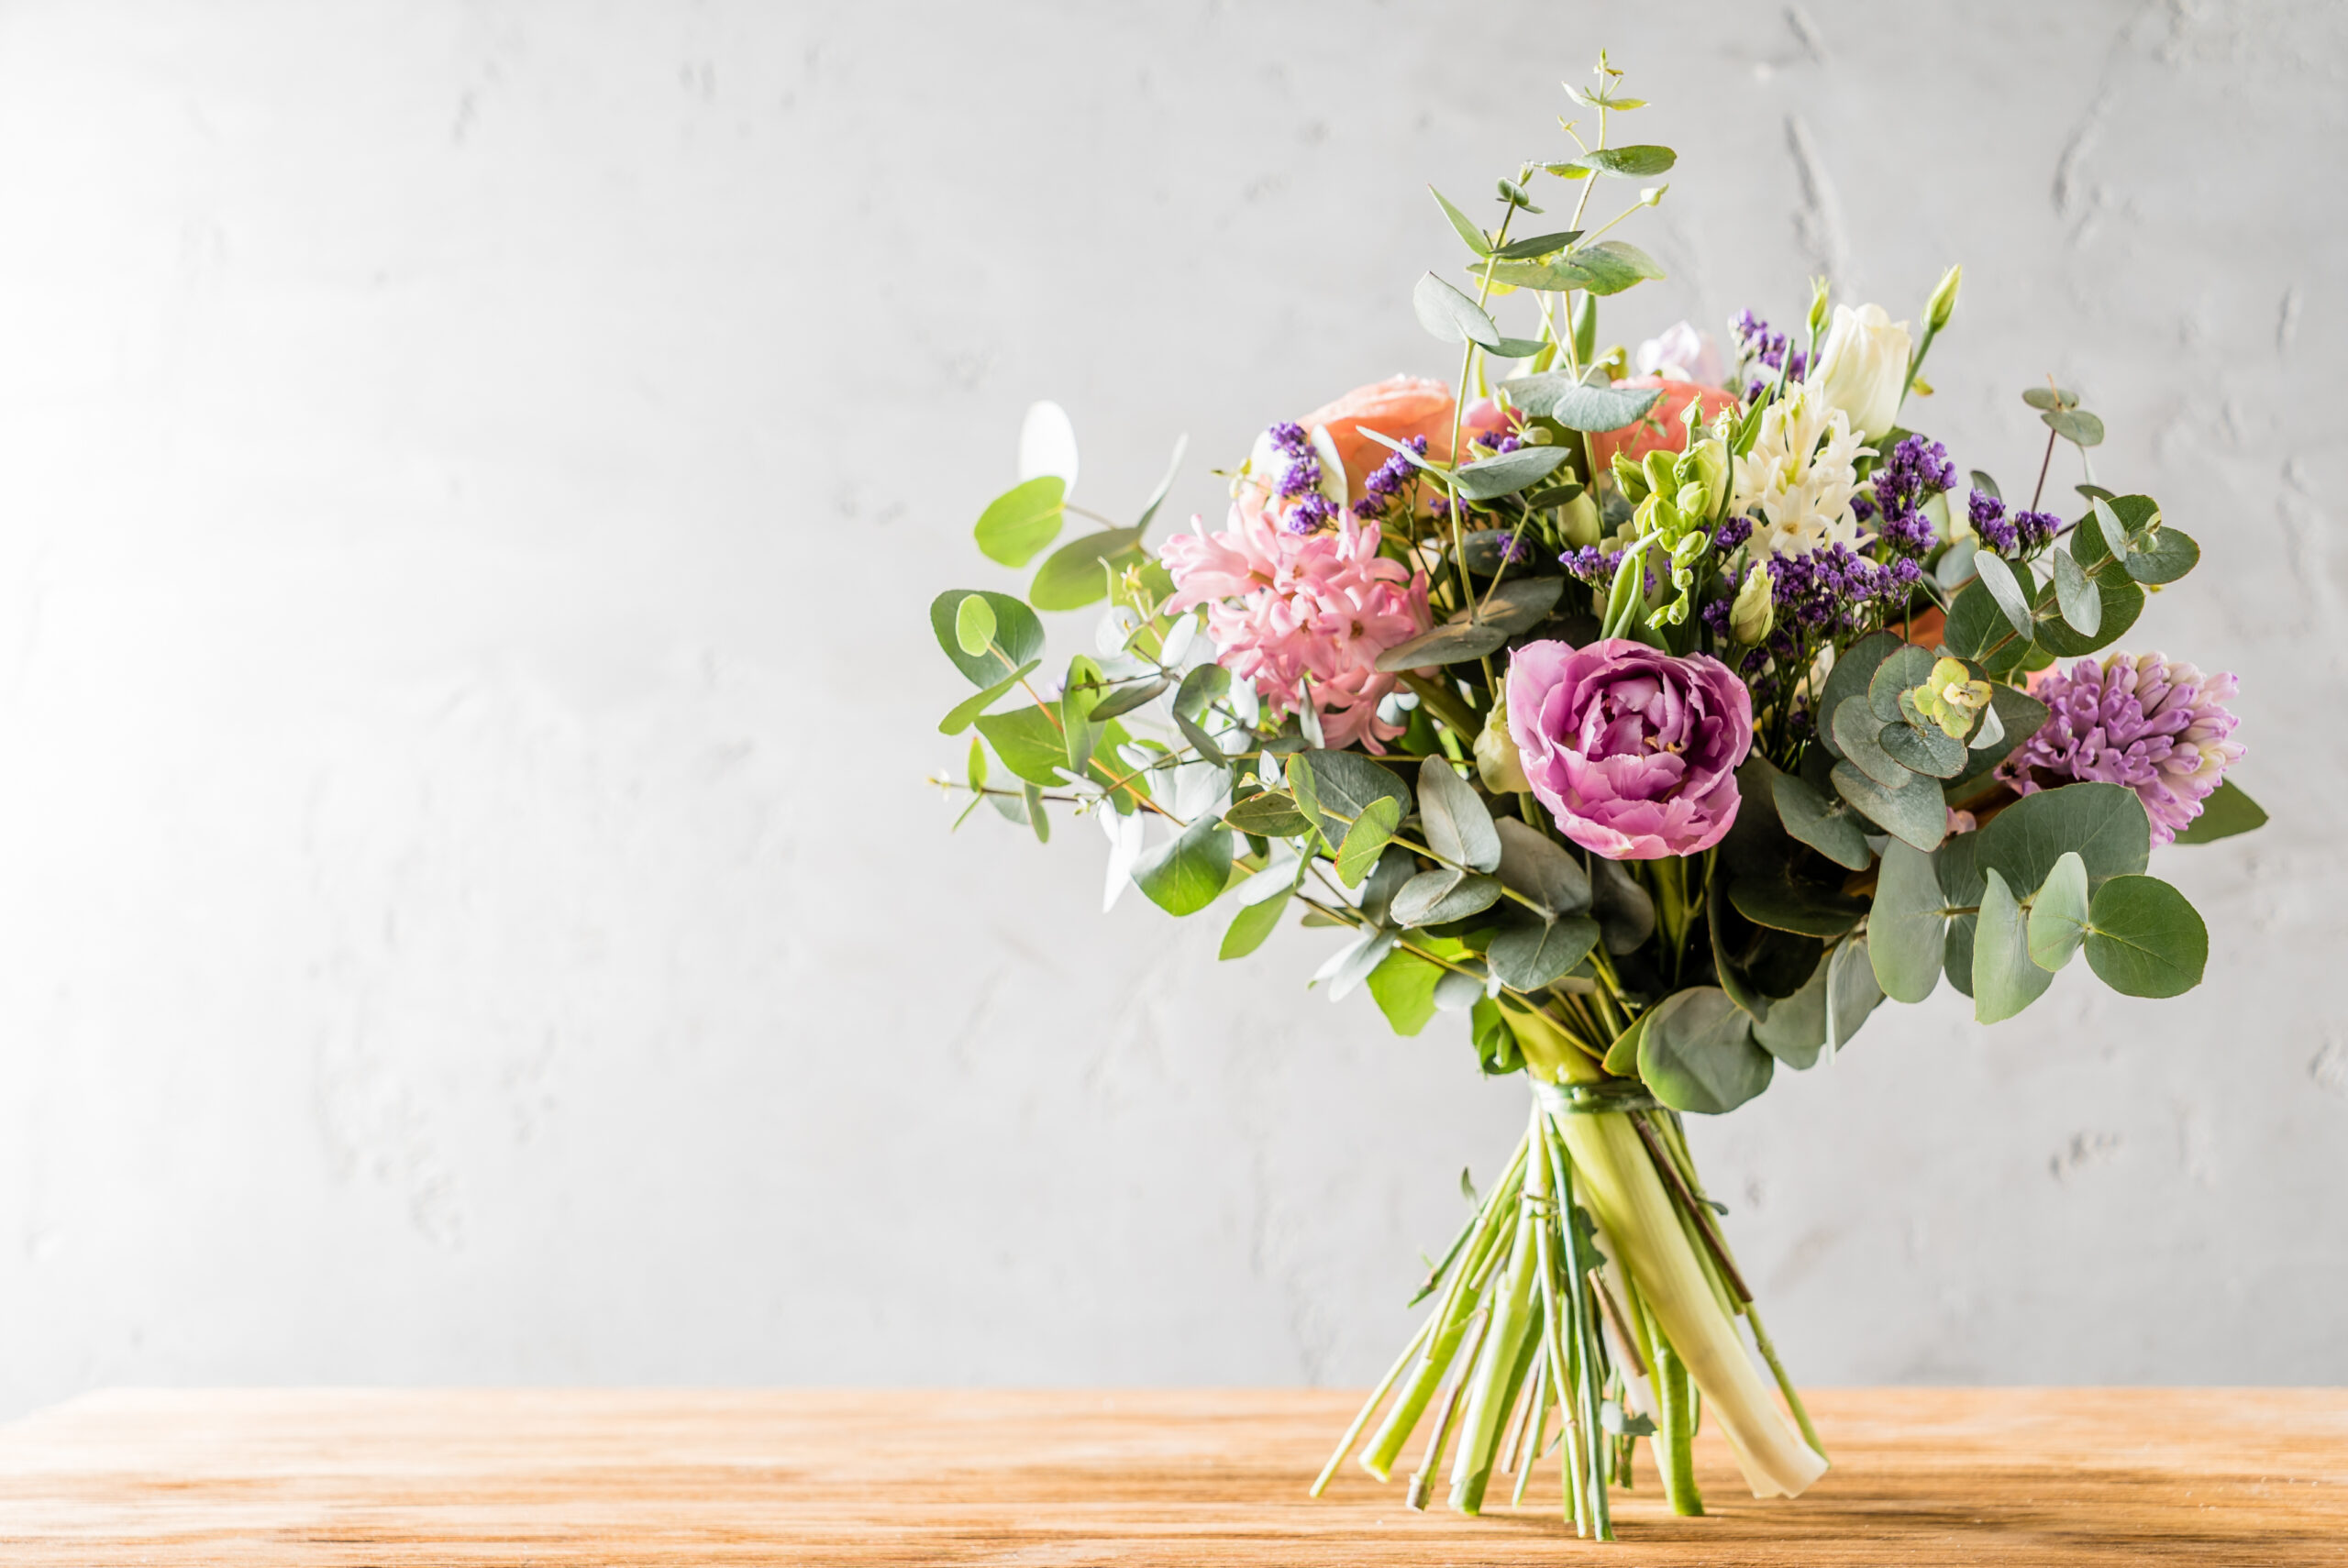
column 470, row 480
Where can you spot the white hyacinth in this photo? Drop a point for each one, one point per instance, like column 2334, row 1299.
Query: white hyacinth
column 1802, row 474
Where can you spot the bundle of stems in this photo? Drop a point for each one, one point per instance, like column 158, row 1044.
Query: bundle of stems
column 1592, row 1287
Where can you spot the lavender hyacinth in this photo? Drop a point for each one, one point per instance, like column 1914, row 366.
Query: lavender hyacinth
column 2158, row 727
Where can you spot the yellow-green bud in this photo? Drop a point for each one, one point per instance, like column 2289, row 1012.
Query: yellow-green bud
column 1817, row 310
column 1662, row 472
column 1497, row 762
column 1706, row 464
column 1943, row 304
column 1752, row 613
column 1629, row 479
column 1581, row 521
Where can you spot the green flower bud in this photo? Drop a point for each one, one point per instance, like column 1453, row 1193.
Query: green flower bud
column 1663, row 472
column 1629, row 479
column 1943, row 304
column 1581, row 521
column 1707, row 464
column 1817, row 310
column 1752, row 613
column 1497, row 762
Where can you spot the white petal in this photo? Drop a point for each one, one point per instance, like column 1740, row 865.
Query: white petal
column 1047, row 444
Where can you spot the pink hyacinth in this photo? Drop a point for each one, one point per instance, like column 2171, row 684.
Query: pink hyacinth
column 1300, row 615
column 2158, row 727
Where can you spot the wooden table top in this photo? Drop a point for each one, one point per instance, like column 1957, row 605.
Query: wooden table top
column 1190, row 1477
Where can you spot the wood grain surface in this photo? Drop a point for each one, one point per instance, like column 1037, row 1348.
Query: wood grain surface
column 1192, row 1477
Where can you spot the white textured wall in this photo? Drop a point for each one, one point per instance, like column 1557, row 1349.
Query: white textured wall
column 470, row 476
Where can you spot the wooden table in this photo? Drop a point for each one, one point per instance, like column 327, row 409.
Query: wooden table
column 1190, row 1477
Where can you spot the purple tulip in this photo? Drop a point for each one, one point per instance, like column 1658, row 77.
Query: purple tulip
column 1633, row 752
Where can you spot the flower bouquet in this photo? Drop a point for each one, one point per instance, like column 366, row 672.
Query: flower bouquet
column 1660, row 714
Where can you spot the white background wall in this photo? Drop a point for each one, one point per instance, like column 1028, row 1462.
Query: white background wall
column 470, row 477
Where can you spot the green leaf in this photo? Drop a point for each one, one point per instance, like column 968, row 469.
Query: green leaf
column 1531, row 863
column 1924, row 749
column 1452, row 641
column 1343, row 784
column 1184, row 875
column 1986, row 485
column 1731, row 974
column 1269, row 814
column 1537, row 245
column 1612, row 265
column 1488, row 479
column 2144, row 939
column 1458, row 827
column 2006, row 590
column 1433, row 898
column 1906, row 930
column 1977, row 629
column 1915, row 813
column 1078, row 573
column 2049, row 399
column 1450, row 314
column 1697, row 1053
column 1018, row 636
column 973, row 626
column 1904, row 669
column 2165, row 556
column 1127, row 697
column 2226, row 813
column 1352, row 964
column 1623, row 1056
column 1251, row 926
column 2019, row 717
column 1037, row 819
column 2122, row 601
column 1079, row 692
column 1476, row 240
column 970, row 707
column 1517, row 347
column 2075, row 425
column 1782, row 903
column 1637, row 163
column 1795, row 1030
column 1367, row 839
column 1028, row 741
column 2075, row 595
column 1496, row 1048
column 2004, row 979
column 2104, row 822
column 1560, row 396
column 2058, row 914
column 1403, row 986
column 1824, row 826
column 1852, row 992
column 1022, row 520
column 1530, row 954
column 1165, row 485
column 1857, row 734
column 1624, row 910
column 1854, row 676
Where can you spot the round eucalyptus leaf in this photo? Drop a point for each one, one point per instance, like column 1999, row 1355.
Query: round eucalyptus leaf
column 1697, row 1053
column 1906, row 930
column 1018, row 636
column 1782, row 903
column 1825, row 825
column 1906, row 668
column 1530, row 954
column 1533, row 864
column 1452, row 641
column 2058, row 913
column 2075, row 595
column 2145, row 939
column 1916, row 813
column 1458, row 827
column 1520, row 604
column 1924, row 749
column 1854, row 669
column 1857, row 735
column 2105, row 823
column 1432, row 897
column 2005, row 981
column 2165, row 556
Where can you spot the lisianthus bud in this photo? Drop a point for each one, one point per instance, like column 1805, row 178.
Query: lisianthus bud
column 1818, row 295
column 1862, row 368
column 1706, row 464
column 1497, row 762
column 1943, row 304
column 1754, row 612
column 1629, row 479
column 1581, row 521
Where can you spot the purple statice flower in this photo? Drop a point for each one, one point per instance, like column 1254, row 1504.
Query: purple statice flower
column 1733, row 532
column 1863, row 508
column 1389, row 481
column 1715, row 616
column 1592, row 565
column 1515, row 549
column 1918, row 468
column 1290, row 438
column 1831, row 590
column 1987, row 515
column 1755, row 338
column 1310, row 515
column 2034, row 529
column 2158, row 727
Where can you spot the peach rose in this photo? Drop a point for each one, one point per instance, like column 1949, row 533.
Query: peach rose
column 1401, row 407
column 1660, row 429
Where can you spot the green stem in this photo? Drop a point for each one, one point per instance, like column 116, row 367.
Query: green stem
column 1675, row 1453
column 1422, row 1479
column 1369, row 1407
column 1500, row 1371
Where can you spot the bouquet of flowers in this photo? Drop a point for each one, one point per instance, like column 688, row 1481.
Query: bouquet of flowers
column 1659, row 713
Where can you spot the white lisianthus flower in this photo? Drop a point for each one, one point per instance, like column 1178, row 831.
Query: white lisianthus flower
column 1681, row 353
column 1863, row 366
column 1800, row 476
